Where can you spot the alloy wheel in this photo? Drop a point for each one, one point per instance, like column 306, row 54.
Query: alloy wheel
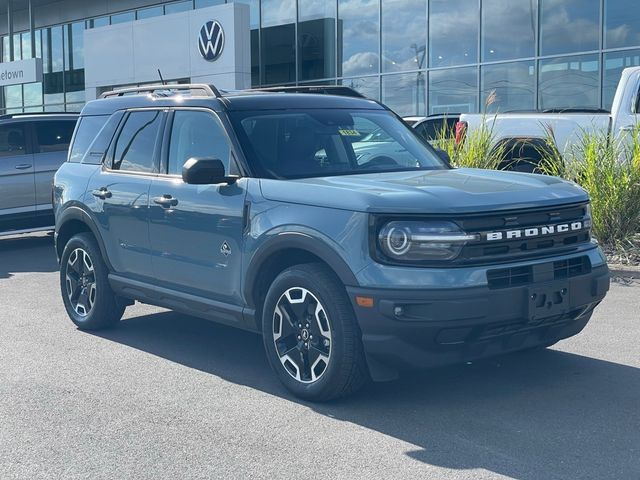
column 81, row 282
column 302, row 334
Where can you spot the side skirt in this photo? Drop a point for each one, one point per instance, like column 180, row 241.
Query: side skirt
column 219, row 312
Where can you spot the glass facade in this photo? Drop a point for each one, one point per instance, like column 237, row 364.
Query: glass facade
column 418, row 56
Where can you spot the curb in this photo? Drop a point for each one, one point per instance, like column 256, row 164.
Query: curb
column 626, row 271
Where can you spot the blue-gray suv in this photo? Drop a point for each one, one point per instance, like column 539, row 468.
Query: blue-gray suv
column 321, row 221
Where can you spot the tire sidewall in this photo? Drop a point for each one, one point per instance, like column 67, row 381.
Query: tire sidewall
column 291, row 278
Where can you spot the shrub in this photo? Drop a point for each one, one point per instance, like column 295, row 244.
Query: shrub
column 608, row 168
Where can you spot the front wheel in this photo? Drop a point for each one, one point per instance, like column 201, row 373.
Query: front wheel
column 86, row 293
column 311, row 336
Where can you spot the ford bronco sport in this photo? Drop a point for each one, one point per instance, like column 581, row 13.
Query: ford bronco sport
column 355, row 259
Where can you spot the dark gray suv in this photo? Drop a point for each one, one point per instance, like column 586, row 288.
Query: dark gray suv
column 280, row 213
column 32, row 147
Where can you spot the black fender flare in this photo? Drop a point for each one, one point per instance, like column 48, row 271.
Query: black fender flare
column 299, row 241
column 76, row 213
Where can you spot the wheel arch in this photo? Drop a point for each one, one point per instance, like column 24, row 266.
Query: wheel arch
column 283, row 251
column 76, row 220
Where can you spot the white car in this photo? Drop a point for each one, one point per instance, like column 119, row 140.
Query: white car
column 525, row 133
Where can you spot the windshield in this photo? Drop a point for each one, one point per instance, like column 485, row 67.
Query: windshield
column 315, row 143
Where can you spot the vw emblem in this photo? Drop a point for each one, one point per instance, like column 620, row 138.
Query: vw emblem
column 211, row 40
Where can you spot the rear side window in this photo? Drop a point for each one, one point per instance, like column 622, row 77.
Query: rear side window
column 12, row 140
column 136, row 145
column 54, row 135
column 86, row 131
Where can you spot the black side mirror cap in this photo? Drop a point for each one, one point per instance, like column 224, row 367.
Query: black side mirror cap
column 205, row 171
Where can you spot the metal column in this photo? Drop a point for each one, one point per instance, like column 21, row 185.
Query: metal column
column 10, row 28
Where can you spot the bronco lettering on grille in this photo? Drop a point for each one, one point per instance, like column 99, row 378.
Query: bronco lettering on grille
column 534, row 231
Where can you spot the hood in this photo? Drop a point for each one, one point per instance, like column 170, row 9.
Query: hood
column 436, row 191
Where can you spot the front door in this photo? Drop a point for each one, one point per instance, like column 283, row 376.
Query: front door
column 120, row 193
column 196, row 230
column 17, row 190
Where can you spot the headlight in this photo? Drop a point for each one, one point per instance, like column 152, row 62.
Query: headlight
column 415, row 241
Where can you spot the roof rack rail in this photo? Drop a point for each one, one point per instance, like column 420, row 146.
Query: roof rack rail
column 321, row 89
column 6, row 116
column 202, row 88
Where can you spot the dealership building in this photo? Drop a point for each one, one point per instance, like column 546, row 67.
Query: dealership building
column 417, row 56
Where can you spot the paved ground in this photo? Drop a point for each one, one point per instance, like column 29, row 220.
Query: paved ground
column 168, row 396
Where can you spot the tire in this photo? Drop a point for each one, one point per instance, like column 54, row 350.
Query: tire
column 85, row 289
column 308, row 316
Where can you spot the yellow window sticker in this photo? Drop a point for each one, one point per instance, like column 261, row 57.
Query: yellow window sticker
column 347, row 132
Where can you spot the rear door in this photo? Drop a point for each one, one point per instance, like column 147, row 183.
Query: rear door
column 51, row 139
column 17, row 190
column 120, row 192
column 196, row 230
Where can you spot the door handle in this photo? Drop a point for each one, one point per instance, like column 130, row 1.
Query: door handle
column 627, row 128
column 23, row 166
column 166, row 201
column 102, row 193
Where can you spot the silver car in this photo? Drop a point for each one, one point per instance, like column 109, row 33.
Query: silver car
column 32, row 147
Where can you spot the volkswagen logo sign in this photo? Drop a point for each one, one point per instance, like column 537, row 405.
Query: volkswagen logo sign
column 211, row 40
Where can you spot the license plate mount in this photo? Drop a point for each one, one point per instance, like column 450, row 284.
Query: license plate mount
column 549, row 300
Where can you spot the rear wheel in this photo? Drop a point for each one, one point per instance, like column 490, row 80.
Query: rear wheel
column 86, row 293
column 311, row 336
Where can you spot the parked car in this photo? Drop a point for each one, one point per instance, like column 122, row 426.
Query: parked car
column 434, row 127
column 32, row 147
column 524, row 134
column 220, row 206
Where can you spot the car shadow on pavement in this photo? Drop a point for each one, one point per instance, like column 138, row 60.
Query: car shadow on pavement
column 25, row 254
column 544, row 414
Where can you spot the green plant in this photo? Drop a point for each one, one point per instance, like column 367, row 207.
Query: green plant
column 608, row 168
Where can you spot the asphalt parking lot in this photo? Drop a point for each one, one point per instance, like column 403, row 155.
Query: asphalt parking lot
column 169, row 396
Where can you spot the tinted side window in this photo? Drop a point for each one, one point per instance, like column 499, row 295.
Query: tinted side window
column 96, row 151
column 136, row 144
column 12, row 140
column 54, row 136
column 86, row 131
column 196, row 134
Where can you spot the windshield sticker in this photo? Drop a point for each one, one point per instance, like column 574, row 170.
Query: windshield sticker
column 347, row 132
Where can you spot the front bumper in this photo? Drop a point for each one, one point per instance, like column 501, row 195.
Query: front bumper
column 421, row 328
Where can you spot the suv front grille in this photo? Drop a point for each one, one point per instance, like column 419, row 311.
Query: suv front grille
column 532, row 247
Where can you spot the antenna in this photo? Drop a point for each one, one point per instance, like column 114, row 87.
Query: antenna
column 161, row 79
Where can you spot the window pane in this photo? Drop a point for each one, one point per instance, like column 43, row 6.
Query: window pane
column 208, row 3
column 622, row 28
column 404, row 34
column 316, row 39
column 149, row 13
column 13, row 96
column 33, row 93
column 508, row 29
column 278, row 12
column 453, row 91
column 453, row 32
column 278, row 54
column 358, row 37
column 508, row 86
column 54, row 136
column 11, row 140
column 196, row 134
column 614, row 63
column 136, row 143
column 569, row 82
column 368, row 86
column 74, row 65
column 98, row 22
column 255, row 57
column 87, row 129
column 53, row 63
column 569, row 26
column 405, row 94
column 123, row 17
column 178, row 7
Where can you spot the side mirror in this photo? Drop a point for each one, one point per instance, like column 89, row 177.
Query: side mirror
column 443, row 155
column 205, row 171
